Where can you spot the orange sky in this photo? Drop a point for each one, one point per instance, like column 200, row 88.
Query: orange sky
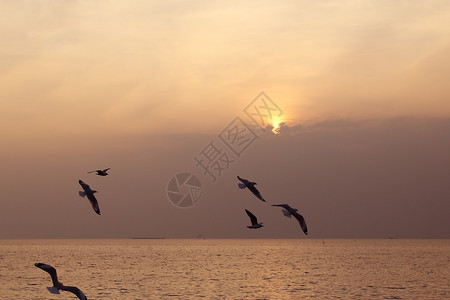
column 120, row 65
column 84, row 84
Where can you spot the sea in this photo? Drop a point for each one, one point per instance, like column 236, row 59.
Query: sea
column 228, row 268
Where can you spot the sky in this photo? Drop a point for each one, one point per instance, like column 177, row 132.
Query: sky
column 143, row 87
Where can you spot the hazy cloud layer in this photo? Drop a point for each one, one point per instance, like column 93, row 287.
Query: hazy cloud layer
column 372, row 179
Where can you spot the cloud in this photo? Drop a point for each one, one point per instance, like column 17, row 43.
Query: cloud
column 370, row 178
column 179, row 67
column 363, row 86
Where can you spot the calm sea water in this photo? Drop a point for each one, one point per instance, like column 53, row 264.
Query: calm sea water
column 229, row 269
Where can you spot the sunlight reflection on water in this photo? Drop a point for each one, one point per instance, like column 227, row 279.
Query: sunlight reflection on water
column 228, row 269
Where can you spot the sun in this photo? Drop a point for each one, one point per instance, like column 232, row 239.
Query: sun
column 276, row 126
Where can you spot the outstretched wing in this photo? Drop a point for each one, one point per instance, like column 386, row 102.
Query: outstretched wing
column 53, row 290
column 243, row 180
column 93, row 171
column 74, row 290
column 256, row 192
column 253, row 219
column 286, row 213
column 50, row 270
column 85, row 186
column 301, row 221
column 94, row 202
column 104, row 171
column 285, row 206
column 293, row 211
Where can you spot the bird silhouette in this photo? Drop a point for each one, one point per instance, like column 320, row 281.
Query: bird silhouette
column 251, row 186
column 289, row 211
column 90, row 195
column 57, row 286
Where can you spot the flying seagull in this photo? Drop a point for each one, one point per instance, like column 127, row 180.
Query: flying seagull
column 251, row 186
column 254, row 220
column 90, row 194
column 289, row 211
column 59, row 285
column 101, row 172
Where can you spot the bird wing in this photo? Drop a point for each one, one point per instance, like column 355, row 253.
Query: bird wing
column 53, row 290
column 286, row 213
column 253, row 219
column 50, row 270
column 106, row 170
column 94, row 202
column 85, row 186
column 301, row 221
column 74, row 290
column 285, row 206
column 299, row 217
column 93, row 171
column 256, row 192
column 244, row 181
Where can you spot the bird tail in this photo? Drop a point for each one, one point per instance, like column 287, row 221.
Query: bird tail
column 53, row 290
column 82, row 194
column 241, row 185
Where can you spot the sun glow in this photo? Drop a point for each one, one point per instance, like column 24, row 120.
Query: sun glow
column 276, row 126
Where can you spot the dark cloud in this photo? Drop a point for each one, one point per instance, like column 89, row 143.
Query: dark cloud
column 362, row 179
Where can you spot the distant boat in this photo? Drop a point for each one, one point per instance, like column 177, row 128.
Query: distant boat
column 393, row 237
column 148, row 238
